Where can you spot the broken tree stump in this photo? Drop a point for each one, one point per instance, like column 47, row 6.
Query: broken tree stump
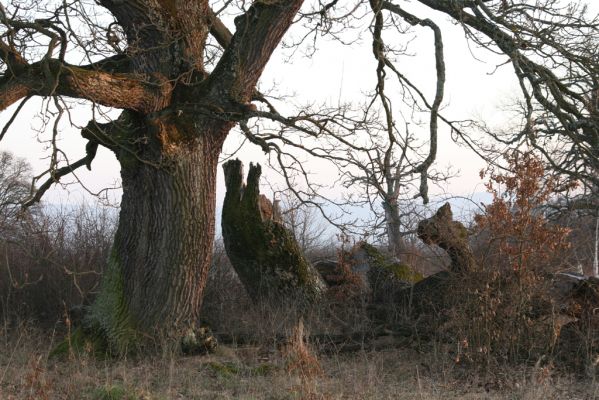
column 451, row 236
column 263, row 252
column 428, row 297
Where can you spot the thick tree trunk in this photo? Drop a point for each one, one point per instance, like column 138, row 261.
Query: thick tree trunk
column 167, row 140
column 159, row 262
column 595, row 272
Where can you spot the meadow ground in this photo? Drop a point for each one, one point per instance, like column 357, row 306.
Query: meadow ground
column 408, row 371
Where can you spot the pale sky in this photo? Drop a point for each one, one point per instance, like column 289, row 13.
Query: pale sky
column 334, row 71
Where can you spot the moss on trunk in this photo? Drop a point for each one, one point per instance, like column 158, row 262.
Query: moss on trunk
column 264, row 253
column 107, row 327
column 109, row 317
column 451, row 236
column 152, row 288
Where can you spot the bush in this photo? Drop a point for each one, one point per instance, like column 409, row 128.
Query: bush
column 504, row 312
column 53, row 261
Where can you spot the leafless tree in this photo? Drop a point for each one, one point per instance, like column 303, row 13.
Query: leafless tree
column 305, row 223
column 148, row 59
column 15, row 178
column 552, row 48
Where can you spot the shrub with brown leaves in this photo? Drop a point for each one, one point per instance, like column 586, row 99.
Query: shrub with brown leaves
column 518, row 231
column 505, row 312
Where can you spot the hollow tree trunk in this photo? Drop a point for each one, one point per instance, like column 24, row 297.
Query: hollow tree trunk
column 161, row 253
column 263, row 252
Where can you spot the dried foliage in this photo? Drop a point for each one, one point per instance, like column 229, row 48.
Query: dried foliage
column 514, row 220
column 505, row 312
column 299, row 356
column 345, row 285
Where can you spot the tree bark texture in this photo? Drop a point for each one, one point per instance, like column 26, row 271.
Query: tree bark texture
column 451, row 236
column 267, row 259
column 161, row 253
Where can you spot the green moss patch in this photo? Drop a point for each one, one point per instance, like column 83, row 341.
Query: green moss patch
column 225, row 370
column 109, row 317
column 81, row 342
column 401, row 271
column 404, row 272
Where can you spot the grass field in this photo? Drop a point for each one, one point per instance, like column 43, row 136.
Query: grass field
column 410, row 371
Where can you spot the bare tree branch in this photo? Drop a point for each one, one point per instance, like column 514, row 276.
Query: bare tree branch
column 127, row 91
column 258, row 33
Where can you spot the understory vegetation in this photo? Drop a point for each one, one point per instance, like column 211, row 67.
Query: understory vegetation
column 505, row 329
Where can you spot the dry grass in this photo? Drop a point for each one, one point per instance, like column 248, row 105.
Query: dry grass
column 412, row 372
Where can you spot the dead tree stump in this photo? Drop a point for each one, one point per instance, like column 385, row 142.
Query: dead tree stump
column 264, row 253
column 451, row 236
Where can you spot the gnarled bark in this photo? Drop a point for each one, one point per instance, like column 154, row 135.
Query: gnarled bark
column 159, row 262
column 451, row 236
column 154, row 284
column 262, row 251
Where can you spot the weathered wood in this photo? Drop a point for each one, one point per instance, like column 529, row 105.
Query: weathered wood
column 451, row 236
column 267, row 259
